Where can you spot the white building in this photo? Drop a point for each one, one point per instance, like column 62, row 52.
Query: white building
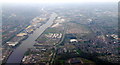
column 73, row 40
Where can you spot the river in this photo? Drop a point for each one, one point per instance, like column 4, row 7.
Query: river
column 18, row 53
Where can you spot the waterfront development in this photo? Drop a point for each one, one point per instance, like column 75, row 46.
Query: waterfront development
column 60, row 34
column 18, row 53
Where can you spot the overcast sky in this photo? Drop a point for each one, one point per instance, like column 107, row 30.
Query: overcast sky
column 55, row 1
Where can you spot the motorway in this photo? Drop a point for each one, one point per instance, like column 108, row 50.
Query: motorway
column 18, row 53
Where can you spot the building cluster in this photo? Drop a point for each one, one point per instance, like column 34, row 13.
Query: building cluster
column 38, row 55
column 54, row 35
column 44, row 48
column 20, row 36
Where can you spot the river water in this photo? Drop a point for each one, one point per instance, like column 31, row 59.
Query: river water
column 18, row 54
